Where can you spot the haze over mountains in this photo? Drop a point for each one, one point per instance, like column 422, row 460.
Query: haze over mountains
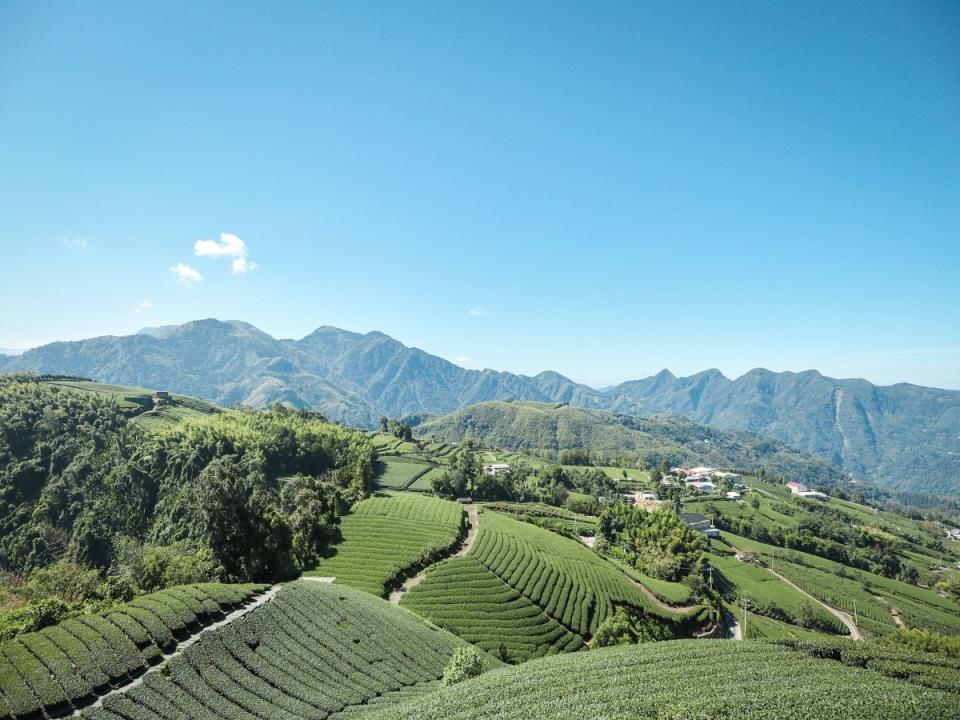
column 902, row 437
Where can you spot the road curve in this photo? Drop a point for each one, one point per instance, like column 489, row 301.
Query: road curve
column 473, row 517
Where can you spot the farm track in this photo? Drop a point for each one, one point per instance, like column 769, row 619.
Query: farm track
column 843, row 617
column 473, row 517
column 657, row 601
column 897, row 620
column 257, row 602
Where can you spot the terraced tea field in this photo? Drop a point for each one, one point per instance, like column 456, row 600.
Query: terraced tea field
column 530, row 589
column 768, row 595
column 918, row 607
column 701, row 680
column 67, row 665
column 387, row 535
column 399, row 474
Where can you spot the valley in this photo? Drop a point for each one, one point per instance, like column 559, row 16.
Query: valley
column 539, row 559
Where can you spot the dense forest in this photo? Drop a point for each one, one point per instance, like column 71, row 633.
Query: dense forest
column 239, row 496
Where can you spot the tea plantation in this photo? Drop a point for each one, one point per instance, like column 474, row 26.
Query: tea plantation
column 387, row 535
column 531, row 590
column 703, row 680
column 66, row 665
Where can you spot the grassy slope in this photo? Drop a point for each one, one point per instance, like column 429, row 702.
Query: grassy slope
column 388, row 534
column 312, row 651
column 529, row 425
column 684, row 680
column 138, row 403
column 558, row 590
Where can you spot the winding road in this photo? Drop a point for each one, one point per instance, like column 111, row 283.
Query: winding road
column 845, row 618
column 473, row 517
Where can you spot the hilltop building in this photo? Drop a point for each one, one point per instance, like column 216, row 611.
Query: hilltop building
column 700, row 523
column 797, row 488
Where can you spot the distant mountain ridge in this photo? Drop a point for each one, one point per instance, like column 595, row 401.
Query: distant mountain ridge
column 523, row 425
column 902, row 437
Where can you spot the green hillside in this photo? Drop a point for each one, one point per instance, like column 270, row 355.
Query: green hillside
column 226, row 495
column 553, row 592
column 695, row 680
column 141, row 405
column 68, row 665
column 900, row 437
column 312, row 651
column 385, row 536
column 528, row 425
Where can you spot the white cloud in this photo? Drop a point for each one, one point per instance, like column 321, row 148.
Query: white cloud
column 228, row 246
column 241, row 265
column 479, row 311
column 143, row 305
column 460, row 360
column 186, row 274
column 79, row 243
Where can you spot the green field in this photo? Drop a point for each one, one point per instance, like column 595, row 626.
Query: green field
column 701, row 680
column 557, row 590
column 127, row 397
column 547, row 516
column 65, row 665
column 387, row 535
column 312, row 652
column 769, row 596
column 918, row 607
column 397, row 474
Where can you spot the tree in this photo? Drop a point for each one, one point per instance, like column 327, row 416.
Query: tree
column 465, row 663
column 384, row 424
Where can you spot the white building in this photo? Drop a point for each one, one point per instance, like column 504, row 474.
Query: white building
column 703, row 486
column 733, row 495
column 496, row 468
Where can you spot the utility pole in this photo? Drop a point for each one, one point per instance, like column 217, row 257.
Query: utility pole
column 743, row 634
column 855, row 619
column 711, row 577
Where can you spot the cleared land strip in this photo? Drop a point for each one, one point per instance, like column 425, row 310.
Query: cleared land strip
column 473, row 517
column 657, row 601
column 257, row 602
column 839, row 614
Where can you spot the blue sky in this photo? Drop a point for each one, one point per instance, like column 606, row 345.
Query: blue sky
column 604, row 189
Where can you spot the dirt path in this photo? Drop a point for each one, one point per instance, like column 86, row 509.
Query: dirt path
column 733, row 628
column 657, row 601
column 473, row 517
column 845, row 618
column 897, row 620
column 258, row 601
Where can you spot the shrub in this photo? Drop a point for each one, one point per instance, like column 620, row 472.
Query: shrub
column 464, row 664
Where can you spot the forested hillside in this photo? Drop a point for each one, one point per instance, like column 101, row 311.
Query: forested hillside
column 901, row 437
column 234, row 496
column 528, row 425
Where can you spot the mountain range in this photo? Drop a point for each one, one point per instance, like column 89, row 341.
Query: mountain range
column 899, row 437
column 522, row 425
